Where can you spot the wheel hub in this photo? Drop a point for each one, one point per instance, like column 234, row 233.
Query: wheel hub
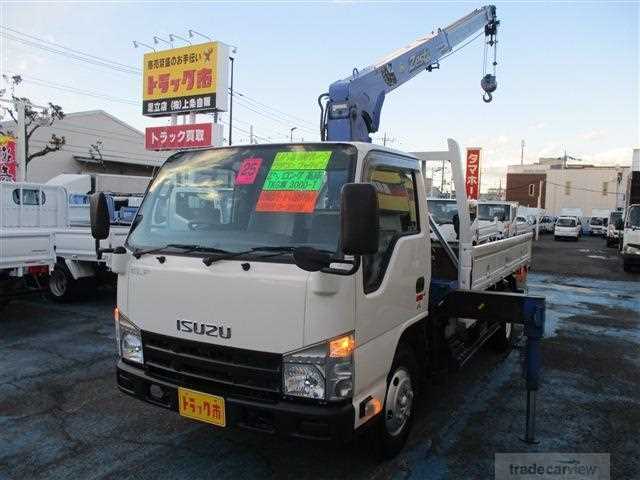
column 399, row 402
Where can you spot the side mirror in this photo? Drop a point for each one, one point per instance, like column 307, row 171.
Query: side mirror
column 359, row 228
column 310, row 259
column 99, row 213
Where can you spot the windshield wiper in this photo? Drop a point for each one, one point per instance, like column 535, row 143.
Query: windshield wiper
column 185, row 249
column 229, row 255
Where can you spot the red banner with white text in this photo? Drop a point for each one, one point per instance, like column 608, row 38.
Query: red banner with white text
column 472, row 181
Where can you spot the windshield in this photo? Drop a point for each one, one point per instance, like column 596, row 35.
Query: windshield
column 442, row 211
column 596, row 221
column 487, row 211
column 566, row 222
column 235, row 199
column 633, row 218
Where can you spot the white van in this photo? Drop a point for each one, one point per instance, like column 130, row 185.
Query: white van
column 567, row 227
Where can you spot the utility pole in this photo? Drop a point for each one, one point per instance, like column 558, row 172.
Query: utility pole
column 21, row 142
column 251, row 134
column 522, row 144
column 384, row 139
column 442, row 180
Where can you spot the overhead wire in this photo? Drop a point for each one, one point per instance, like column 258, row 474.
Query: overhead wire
column 38, row 42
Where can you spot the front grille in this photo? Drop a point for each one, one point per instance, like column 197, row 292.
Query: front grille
column 213, row 368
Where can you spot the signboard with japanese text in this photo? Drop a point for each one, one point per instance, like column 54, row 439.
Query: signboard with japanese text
column 186, row 79
column 8, row 160
column 472, row 181
column 179, row 137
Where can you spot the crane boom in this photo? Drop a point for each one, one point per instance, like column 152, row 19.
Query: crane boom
column 353, row 107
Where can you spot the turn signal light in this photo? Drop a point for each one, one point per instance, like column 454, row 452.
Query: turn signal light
column 116, row 314
column 342, row 346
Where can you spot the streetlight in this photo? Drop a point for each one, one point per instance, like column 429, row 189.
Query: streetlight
column 136, row 44
column 291, row 133
column 173, row 36
column 157, row 40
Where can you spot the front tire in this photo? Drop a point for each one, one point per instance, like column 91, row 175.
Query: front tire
column 394, row 426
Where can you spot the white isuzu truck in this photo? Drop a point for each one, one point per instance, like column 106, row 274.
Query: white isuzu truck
column 294, row 289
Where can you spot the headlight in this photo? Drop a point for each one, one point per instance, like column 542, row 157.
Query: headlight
column 323, row 372
column 128, row 339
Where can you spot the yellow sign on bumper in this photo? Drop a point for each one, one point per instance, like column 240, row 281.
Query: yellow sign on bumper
column 201, row 406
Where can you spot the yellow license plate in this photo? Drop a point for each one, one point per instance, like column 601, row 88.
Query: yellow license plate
column 201, row 406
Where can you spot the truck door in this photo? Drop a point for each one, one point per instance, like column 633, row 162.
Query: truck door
column 393, row 284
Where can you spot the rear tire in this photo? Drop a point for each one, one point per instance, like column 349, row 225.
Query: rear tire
column 395, row 422
column 62, row 285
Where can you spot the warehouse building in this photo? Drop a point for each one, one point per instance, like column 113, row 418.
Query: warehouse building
column 563, row 185
column 96, row 143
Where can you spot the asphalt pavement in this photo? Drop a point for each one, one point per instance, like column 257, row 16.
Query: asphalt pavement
column 61, row 415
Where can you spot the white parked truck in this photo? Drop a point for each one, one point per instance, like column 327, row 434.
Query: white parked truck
column 503, row 213
column 298, row 290
column 77, row 263
column 29, row 215
column 444, row 212
column 630, row 240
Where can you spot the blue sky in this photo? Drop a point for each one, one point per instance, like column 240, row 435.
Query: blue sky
column 568, row 74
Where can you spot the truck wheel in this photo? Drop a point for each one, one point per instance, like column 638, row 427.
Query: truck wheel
column 62, row 285
column 396, row 419
column 503, row 339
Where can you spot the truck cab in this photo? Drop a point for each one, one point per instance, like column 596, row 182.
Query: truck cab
column 630, row 240
column 504, row 213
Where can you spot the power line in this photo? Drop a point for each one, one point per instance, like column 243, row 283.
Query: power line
column 101, row 59
column 72, row 89
column 74, row 54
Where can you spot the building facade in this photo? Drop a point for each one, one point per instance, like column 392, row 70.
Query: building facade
column 586, row 187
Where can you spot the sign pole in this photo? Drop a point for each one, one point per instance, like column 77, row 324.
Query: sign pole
column 21, row 143
column 231, row 103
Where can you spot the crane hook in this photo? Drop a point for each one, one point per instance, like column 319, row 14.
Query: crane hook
column 489, row 85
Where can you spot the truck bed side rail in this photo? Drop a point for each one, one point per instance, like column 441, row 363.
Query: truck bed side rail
column 493, row 261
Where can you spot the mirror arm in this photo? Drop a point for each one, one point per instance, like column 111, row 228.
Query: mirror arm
column 100, row 251
column 355, row 263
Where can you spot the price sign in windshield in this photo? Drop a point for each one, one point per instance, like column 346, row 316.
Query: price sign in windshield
column 294, row 180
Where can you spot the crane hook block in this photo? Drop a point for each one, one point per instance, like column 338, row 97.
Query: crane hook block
column 489, row 85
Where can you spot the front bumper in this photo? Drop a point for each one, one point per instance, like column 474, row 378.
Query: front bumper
column 300, row 420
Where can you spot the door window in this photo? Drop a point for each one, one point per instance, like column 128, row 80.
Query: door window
column 397, row 216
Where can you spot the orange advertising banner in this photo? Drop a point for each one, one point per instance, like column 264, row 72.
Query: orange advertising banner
column 472, row 180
